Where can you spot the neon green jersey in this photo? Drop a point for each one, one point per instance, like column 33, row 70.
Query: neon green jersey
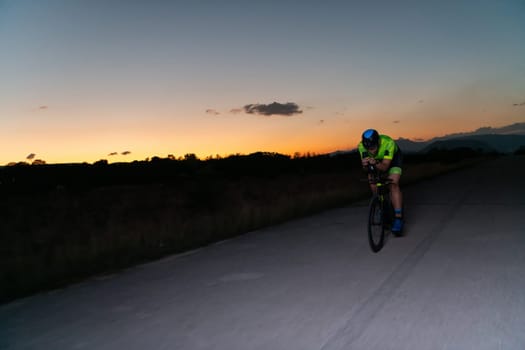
column 387, row 149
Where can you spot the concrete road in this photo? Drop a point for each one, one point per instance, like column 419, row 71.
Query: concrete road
column 455, row 281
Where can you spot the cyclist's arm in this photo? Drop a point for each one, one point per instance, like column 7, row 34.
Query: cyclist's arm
column 365, row 160
column 383, row 164
column 365, row 157
column 389, row 148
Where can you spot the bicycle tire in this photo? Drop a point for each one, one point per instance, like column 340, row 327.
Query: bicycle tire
column 376, row 227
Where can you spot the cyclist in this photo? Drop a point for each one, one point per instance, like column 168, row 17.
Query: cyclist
column 383, row 152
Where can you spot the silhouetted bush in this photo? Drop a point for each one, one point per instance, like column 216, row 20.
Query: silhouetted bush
column 45, row 177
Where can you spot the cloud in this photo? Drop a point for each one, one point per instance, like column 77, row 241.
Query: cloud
column 236, row 110
column 43, row 108
column 420, row 101
column 125, row 153
column 212, row 112
column 321, row 121
column 31, row 156
column 396, row 121
column 519, row 104
column 112, row 154
column 274, row 108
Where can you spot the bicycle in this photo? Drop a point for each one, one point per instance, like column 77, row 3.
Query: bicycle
column 381, row 210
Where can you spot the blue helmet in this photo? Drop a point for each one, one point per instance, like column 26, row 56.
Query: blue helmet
column 370, row 138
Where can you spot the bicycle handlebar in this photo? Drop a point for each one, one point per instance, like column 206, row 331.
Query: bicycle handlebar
column 377, row 177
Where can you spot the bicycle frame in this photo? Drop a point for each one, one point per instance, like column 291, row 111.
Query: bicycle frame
column 380, row 181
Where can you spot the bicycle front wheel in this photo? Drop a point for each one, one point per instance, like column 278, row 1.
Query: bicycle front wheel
column 376, row 229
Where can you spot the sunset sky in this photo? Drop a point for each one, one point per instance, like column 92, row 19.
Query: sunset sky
column 83, row 79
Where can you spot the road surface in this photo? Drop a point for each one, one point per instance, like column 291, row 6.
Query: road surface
column 455, row 281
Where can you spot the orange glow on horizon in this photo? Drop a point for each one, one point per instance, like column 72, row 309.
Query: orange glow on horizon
column 68, row 141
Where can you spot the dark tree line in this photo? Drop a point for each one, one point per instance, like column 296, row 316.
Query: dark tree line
column 26, row 178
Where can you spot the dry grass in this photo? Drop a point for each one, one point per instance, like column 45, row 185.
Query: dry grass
column 53, row 238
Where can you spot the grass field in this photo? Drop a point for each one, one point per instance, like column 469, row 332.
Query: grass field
column 62, row 234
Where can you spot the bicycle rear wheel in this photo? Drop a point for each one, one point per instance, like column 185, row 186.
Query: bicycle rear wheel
column 376, row 229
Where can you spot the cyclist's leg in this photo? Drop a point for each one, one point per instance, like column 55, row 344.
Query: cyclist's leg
column 397, row 202
column 395, row 193
column 394, row 173
column 373, row 187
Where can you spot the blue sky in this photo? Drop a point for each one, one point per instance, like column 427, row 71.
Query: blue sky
column 83, row 79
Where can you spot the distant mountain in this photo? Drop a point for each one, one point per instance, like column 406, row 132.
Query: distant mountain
column 483, row 143
column 506, row 139
column 409, row 146
column 459, row 142
column 513, row 129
